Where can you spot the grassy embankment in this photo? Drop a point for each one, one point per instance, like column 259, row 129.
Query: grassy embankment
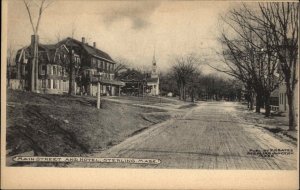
column 57, row 125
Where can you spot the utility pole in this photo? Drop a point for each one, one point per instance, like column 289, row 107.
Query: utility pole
column 98, row 91
column 98, row 96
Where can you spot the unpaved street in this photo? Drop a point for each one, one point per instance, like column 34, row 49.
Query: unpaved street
column 210, row 136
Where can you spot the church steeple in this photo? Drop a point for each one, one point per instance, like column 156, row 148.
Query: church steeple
column 154, row 72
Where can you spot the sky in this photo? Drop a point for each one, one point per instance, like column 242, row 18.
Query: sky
column 130, row 30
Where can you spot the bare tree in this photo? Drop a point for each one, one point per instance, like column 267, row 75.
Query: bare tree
column 35, row 28
column 282, row 22
column 183, row 72
column 58, row 36
column 252, row 54
column 10, row 60
column 121, row 65
column 73, row 72
column 279, row 21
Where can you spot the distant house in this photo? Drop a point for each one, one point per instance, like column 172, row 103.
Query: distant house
column 54, row 64
column 52, row 72
column 283, row 102
column 135, row 82
column 138, row 83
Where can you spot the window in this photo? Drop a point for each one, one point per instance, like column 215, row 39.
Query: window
column 113, row 67
column 64, row 82
column 105, row 66
column 99, row 64
column 42, row 69
column 112, row 76
column 43, row 83
column 59, row 70
column 102, row 64
column 54, row 70
column 54, row 84
column 94, row 62
column 23, row 69
column 49, row 83
column 64, row 72
column 77, row 60
column 49, row 69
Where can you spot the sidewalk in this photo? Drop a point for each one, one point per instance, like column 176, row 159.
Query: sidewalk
column 276, row 124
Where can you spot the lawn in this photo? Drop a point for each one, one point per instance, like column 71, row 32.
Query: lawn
column 60, row 125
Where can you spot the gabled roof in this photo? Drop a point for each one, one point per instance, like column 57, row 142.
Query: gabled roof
column 51, row 49
column 89, row 49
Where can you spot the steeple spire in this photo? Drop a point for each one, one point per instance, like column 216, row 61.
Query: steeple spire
column 154, row 72
column 154, row 61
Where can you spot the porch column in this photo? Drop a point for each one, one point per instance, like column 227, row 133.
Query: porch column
column 51, row 83
column 98, row 95
column 91, row 89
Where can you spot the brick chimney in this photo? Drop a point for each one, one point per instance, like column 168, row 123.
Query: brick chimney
column 94, row 44
column 83, row 40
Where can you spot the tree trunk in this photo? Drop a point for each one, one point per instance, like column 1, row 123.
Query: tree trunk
column 258, row 101
column 251, row 104
column 19, row 71
column 290, row 98
column 36, row 64
column 267, row 105
column 183, row 92
column 8, row 75
column 192, row 94
column 179, row 91
column 71, row 74
column 33, row 62
column 251, row 101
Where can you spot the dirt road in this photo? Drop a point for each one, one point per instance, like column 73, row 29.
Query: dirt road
column 210, row 136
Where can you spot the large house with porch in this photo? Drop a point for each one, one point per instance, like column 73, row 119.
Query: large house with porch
column 54, row 68
column 138, row 83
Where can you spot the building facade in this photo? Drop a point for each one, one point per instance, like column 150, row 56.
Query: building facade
column 138, row 83
column 89, row 65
